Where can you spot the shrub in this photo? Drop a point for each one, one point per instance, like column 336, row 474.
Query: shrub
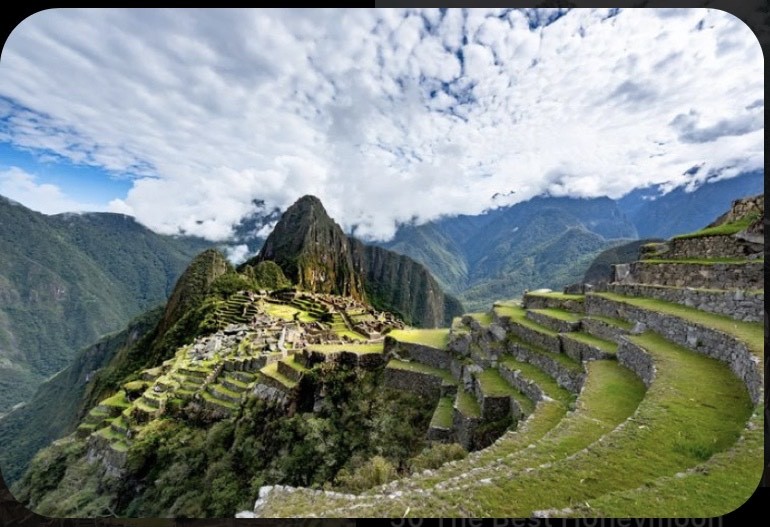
column 436, row 455
column 376, row 471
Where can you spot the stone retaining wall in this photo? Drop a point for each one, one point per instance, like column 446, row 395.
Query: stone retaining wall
column 420, row 383
column 549, row 302
column 493, row 407
column 710, row 247
column 534, row 337
column 564, row 377
column 603, row 330
column 427, row 355
column 580, row 351
column 711, row 276
column 526, row 386
column 111, row 460
column 463, row 428
column 739, row 304
column 558, row 325
column 437, row 433
column 636, row 359
column 701, row 339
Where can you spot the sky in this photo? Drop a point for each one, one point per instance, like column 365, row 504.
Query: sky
column 191, row 120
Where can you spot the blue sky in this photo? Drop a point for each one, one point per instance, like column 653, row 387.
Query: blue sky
column 183, row 118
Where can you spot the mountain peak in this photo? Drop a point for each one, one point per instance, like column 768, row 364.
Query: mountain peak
column 312, row 250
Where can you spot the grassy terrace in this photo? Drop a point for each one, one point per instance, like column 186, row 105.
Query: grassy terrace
column 360, row 349
column 291, row 360
column 604, row 345
column 271, row 370
column 559, row 314
column 519, row 315
column 286, row 312
column 442, row 417
column 669, row 433
column 617, row 322
column 225, row 391
column 467, row 404
column 118, row 400
column 493, row 385
column 435, row 338
column 562, row 359
column 213, row 400
column 727, row 479
column 485, row 319
column 539, row 377
column 418, row 367
column 725, row 229
column 750, row 333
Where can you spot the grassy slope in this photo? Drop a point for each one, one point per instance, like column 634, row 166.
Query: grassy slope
column 435, row 338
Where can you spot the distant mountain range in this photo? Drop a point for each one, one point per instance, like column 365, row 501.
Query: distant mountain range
column 67, row 279
column 550, row 242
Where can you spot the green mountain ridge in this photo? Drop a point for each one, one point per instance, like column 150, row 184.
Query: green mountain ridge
column 67, row 279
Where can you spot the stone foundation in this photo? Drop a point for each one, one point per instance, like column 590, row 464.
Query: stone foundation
column 710, row 276
column 422, row 384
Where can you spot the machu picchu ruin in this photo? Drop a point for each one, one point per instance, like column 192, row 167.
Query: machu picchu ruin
column 641, row 396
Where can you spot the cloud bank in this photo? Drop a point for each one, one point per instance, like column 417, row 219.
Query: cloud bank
column 387, row 115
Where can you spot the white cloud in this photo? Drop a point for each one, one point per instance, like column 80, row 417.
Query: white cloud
column 237, row 253
column 24, row 188
column 386, row 115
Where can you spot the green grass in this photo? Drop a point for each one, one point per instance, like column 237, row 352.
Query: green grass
column 519, row 315
column 545, row 382
column 724, row 482
column 702, row 261
column 435, row 338
column 559, row 314
column 467, row 404
column 357, row 348
column 442, row 417
column 725, row 229
column 286, row 312
column 617, row 322
column 492, row 384
column 291, row 360
column 118, row 400
column 139, row 403
column 271, row 370
column 419, row 367
column 136, row 385
column 485, row 319
column 586, row 338
column 750, row 333
column 109, row 434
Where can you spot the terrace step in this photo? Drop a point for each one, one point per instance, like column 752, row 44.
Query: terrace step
column 224, row 394
column 514, row 319
column 582, row 346
column 606, row 328
column 747, row 306
column 441, row 423
column 556, row 320
column 553, row 300
column 498, row 399
column 532, row 381
column 700, row 273
column 567, row 372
